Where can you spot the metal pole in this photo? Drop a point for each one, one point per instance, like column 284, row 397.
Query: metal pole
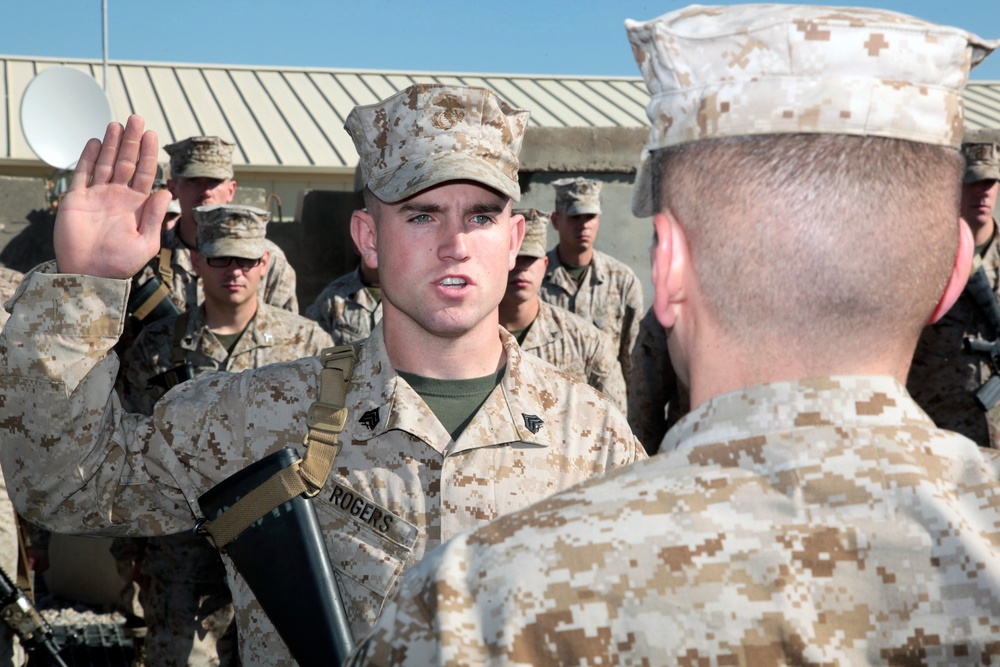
column 104, row 32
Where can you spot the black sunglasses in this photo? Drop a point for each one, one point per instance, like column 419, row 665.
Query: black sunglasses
column 224, row 262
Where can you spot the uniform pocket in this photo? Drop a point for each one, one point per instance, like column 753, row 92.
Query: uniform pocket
column 369, row 548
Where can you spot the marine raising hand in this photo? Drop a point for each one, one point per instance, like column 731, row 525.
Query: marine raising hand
column 108, row 225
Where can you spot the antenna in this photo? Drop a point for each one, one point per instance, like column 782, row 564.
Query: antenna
column 62, row 108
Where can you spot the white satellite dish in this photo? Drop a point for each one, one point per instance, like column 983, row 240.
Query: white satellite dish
column 61, row 110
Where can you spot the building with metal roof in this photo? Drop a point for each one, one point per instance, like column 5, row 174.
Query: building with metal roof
column 287, row 124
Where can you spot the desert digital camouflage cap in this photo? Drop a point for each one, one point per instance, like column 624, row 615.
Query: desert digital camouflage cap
column 536, row 224
column 766, row 69
column 982, row 161
column 578, row 196
column 429, row 134
column 228, row 230
column 194, row 157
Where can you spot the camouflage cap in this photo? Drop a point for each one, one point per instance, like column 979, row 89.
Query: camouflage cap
column 429, row 134
column 194, row 157
column 229, row 230
column 536, row 225
column 766, row 69
column 982, row 162
column 578, row 196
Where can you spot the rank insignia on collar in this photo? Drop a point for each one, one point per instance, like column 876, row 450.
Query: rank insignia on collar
column 370, row 419
column 532, row 422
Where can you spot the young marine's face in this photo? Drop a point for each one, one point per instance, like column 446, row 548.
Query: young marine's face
column 525, row 279
column 201, row 191
column 443, row 256
column 979, row 201
column 577, row 233
column 230, row 285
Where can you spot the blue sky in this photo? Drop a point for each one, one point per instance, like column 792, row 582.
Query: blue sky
column 517, row 36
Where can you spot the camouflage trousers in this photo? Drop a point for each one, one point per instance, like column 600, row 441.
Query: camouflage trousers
column 189, row 624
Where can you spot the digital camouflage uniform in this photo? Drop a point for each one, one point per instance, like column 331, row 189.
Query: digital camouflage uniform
column 567, row 341
column 610, row 296
column 818, row 521
column 656, row 397
column 188, row 606
column 577, row 347
column 410, row 485
column 813, row 522
column 346, row 309
column 187, row 580
column 944, row 375
column 9, row 654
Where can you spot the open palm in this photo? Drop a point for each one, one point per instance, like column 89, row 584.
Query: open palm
column 108, row 225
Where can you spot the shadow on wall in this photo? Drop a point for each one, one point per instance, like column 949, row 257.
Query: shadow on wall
column 31, row 242
column 26, row 223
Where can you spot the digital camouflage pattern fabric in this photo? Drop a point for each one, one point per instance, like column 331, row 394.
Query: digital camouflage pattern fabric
column 841, row 523
column 9, row 653
column 656, row 397
column 229, row 230
column 277, row 288
column 610, row 296
column 536, row 225
column 577, row 347
column 346, row 309
column 765, row 69
column 201, row 157
column 9, row 280
column 189, row 608
column 578, row 195
column 273, row 335
column 399, row 487
column 945, row 376
column 982, row 161
column 428, row 134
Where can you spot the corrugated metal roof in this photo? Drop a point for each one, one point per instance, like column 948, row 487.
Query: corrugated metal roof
column 292, row 118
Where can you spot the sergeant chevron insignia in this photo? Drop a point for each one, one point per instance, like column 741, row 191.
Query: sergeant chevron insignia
column 370, row 419
column 532, row 422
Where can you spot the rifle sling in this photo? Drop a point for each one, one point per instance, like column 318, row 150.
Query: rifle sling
column 163, row 291
column 326, row 420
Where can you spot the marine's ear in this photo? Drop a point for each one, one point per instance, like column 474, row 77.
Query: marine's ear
column 960, row 270
column 669, row 258
column 364, row 235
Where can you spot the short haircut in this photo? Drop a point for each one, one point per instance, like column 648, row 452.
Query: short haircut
column 371, row 202
column 830, row 237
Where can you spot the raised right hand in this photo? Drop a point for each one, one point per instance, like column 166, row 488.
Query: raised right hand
column 108, row 225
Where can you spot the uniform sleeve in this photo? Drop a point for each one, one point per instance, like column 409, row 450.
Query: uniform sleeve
column 319, row 340
column 74, row 460
column 630, row 324
column 605, row 373
column 137, row 369
column 649, row 385
column 280, row 283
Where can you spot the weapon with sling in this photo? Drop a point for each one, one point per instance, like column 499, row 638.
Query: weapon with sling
column 982, row 294
column 266, row 508
column 151, row 301
column 24, row 620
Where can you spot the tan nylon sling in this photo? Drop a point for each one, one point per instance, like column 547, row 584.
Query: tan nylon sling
column 163, row 291
column 326, row 419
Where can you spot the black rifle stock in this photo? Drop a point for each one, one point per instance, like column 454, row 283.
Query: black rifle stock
column 283, row 559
